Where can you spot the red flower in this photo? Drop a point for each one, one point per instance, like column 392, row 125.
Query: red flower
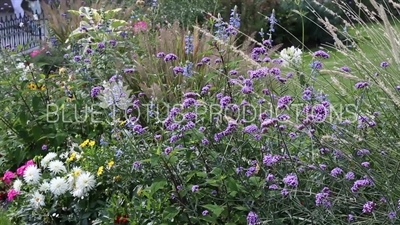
column 121, row 219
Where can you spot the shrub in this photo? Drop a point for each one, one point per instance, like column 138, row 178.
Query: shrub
column 257, row 142
column 187, row 13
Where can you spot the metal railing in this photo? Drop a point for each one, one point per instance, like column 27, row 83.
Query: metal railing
column 23, row 33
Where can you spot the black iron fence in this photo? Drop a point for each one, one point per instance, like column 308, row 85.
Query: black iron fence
column 24, row 33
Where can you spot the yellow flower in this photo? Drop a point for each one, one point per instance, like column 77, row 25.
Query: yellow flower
column 92, row 143
column 140, row 2
column 77, row 172
column 71, row 157
column 43, row 88
column 117, row 178
column 32, row 86
column 62, row 71
column 100, row 170
column 122, row 123
column 110, row 164
column 84, row 144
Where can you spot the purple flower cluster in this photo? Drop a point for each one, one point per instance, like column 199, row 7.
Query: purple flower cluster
column 271, row 160
column 336, row 172
column 361, row 85
column 368, row 207
column 170, row 57
column 291, row 180
column 321, row 54
column 322, row 198
column 284, row 102
column 95, row 91
column 360, row 184
column 252, row 218
column 232, row 127
column 365, row 122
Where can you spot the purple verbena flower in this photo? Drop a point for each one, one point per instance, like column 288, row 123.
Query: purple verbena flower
column 195, row 188
column 321, row 54
column 336, row 172
column 291, row 180
column 368, row 207
column 170, row 57
column 252, row 218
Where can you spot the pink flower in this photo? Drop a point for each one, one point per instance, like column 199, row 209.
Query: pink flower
column 30, row 162
column 34, row 53
column 140, row 26
column 21, row 170
column 12, row 194
column 8, row 176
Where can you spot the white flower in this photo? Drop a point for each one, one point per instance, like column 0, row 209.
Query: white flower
column 58, row 186
column 85, row 182
column 78, row 193
column 57, row 167
column 115, row 94
column 76, row 171
column 64, row 155
column 17, row 185
column 291, row 56
column 45, row 161
column 37, row 200
column 32, row 174
column 44, row 187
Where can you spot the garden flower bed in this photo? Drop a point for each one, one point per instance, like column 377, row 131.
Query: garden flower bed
column 125, row 122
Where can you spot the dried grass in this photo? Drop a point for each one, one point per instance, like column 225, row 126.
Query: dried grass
column 62, row 26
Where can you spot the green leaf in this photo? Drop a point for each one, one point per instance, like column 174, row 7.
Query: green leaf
column 37, row 132
column 170, row 213
column 241, row 208
column 118, row 23
column 209, row 219
column 216, row 171
column 36, row 103
column 231, row 184
column 215, row 209
column 201, row 174
column 23, row 117
column 157, row 185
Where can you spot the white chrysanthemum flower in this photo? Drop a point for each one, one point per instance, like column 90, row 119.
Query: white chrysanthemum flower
column 71, row 181
column 17, row 185
column 86, row 182
column 37, row 200
column 291, row 56
column 78, row 193
column 44, row 187
column 32, row 174
column 50, row 156
column 76, row 171
column 58, row 186
column 57, row 167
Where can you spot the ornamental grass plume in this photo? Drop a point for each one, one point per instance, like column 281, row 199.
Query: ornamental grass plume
column 62, row 23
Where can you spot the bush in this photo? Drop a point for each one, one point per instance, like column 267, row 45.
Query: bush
column 249, row 138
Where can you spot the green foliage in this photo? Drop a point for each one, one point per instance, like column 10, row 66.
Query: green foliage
column 290, row 15
column 245, row 136
column 188, row 13
column 4, row 218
